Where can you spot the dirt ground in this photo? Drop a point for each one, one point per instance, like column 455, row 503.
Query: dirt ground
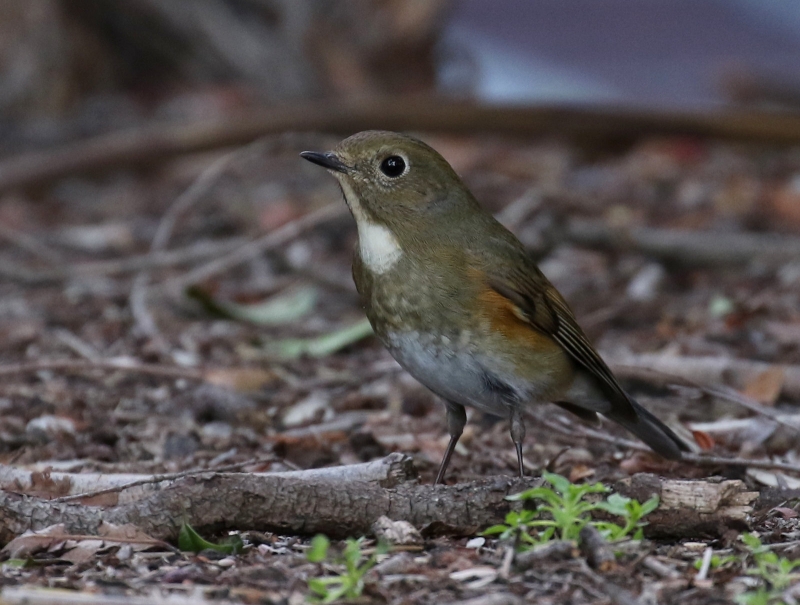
column 77, row 287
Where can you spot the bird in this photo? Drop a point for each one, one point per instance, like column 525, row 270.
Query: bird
column 458, row 302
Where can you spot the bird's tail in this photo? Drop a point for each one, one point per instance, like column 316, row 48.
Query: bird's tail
column 651, row 430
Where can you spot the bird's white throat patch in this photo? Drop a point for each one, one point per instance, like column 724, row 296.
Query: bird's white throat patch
column 378, row 247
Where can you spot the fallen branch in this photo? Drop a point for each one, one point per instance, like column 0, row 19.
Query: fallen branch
column 707, row 371
column 346, row 501
column 109, row 489
column 150, row 144
column 706, row 248
column 691, row 508
column 82, row 366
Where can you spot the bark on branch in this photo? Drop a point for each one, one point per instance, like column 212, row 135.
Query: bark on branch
column 346, row 501
column 691, row 508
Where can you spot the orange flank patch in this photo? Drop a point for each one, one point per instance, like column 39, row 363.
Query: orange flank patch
column 508, row 319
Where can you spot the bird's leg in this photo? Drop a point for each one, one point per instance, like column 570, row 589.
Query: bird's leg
column 518, row 435
column 456, row 419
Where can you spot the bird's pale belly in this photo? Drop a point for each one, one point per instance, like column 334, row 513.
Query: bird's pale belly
column 454, row 373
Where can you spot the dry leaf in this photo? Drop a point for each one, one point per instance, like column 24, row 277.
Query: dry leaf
column 44, row 486
column 766, row 387
column 241, row 380
column 31, row 542
column 785, row 512
column 78, row 548
column 580, row 471
column 704, row 440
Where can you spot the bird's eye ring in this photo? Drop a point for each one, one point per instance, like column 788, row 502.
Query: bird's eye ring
column 393, row 166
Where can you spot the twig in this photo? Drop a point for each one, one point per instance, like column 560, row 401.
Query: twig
column 725, row 393
column 77, row 345
column 167, row 258
column 161, row 478
column 702, row 573
column 269, row 241
column 555, row 550
column 698, row 459
column 493, row 598
column 505, row 567
column 596, row 549
column 708, row 371
column 616, row 594
column 143, row 319
column 30, row 244
column 79, row 366
column 152, row 143
column 660, row 569
column 686, row 247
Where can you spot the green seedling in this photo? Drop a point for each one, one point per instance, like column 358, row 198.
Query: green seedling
column 630, row 511
column 564, row 509
column 190, row 541
column 717, row 562
column 776, row 573
column 349, row 584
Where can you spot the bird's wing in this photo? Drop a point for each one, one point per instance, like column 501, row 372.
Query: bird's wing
column 541, row 305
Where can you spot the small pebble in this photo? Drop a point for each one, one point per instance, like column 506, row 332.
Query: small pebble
column 226, row 562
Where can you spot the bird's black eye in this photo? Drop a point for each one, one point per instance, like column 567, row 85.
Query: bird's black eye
column 393, row 166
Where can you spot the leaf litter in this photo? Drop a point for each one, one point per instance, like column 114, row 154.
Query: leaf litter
column 288, row 374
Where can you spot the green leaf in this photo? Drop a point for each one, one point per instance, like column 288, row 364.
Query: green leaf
column 559, row 483
column 494, row 529
column 650, row 505
column 19, row 563
column 318, row 549
column 190, row 541
column 616, row 504
column 280, row 309
column 321, row 346
column 760, row 597
column 352, row 553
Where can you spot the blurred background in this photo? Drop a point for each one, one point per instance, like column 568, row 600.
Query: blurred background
column 153, row 208
column 101, row 63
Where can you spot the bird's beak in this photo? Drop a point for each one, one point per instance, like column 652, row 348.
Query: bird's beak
column 326, row 160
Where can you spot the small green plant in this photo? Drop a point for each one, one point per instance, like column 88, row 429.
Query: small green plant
column 776, row 573
column 564, row 510
column 190, row 541
column 350, row 583
column 631, row 511
column 717, row 562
